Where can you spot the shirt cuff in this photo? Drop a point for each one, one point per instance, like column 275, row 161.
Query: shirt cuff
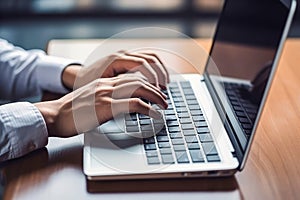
column 23, row 130
column 49, row 73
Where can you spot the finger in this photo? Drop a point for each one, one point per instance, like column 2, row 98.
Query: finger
column 156, row 65
column 162, row 64
column 129, row 79
column 136, row 89
column 132, row 105
column 125, row 63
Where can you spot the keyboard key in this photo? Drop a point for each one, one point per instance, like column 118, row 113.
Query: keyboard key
column 127, row 117
column 131, row 123
column 169, row 112
column 172, row 123
column 179, row 147
column 192, row 102
column 191, row 139
column 248, row 132
column 198, row 118
column 188, row 91
column 175, row 135
column 240, row 114
column 200, row 124
column 188, row 132
column 132, row 116
column 180, row 104
column 176, row 141
column 185, row 120
column 205, row 138
column 202, row 130
column 167, row 158
column 159, row 127
column 152, row 153
column 164, row 145
column 190, row 97
column 196, row 112
column 162, row 132
column 196, row 156
column 209, row 148
column 171, row 117
column 234, row 102
column 244, row 120
column 187, row 126
column 178, row 99
column 141, row 116
column 149, row 147
column 194, row 107
column 174, row 129
column 247, row 126
column 165, row 151
column 153, row 160
column 146, row 128
column 232, row 98
column 213, row 158
column 149, row 140
column 145, row 122
column 132, row 129
column 181, row 109
column 237, row 108
column 252, row 116
column 251, row 110
column 183, row 115
column 193, row 146
column 147, row 134
column 158, row 121
column 182, row 157
column 162, row 138
column 176, row 90
column 176, row 94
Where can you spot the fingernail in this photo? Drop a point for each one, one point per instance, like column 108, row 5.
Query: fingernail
column 166, row 104
column 165, row 96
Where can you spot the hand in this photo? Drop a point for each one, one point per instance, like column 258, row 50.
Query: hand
column 103, row 98
column 147, row 64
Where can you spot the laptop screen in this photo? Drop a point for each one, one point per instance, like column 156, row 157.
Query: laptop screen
column 242, row 56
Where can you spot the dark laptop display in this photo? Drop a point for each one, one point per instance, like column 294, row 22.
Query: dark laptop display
column 243, row 57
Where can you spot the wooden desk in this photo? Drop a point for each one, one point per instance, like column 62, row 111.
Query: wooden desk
column 272, row 170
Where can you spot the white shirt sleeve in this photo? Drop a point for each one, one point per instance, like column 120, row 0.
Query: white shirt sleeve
column 25, row 74
column 28, row 73
column 22, row 130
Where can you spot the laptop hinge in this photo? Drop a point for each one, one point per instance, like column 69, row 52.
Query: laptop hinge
column 234, row 154
column 237, row 150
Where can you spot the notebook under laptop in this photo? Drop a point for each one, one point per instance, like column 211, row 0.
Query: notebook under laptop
column 211, row 120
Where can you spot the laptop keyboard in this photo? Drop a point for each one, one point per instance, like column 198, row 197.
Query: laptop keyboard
column 245, row 111
column 182, row 135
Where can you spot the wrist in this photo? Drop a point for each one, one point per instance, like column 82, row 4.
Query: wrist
column 49, row 111
column 69, row 75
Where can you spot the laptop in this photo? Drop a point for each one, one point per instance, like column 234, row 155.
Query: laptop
column 210, row 123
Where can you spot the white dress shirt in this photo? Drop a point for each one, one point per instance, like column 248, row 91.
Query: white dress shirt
column 25, row 74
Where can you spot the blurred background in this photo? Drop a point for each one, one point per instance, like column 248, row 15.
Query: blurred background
column 32, row 23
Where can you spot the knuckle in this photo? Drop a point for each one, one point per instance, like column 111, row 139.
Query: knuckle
column 103, row 91
column 135, row 102
column 141, row 61
column 138, row 83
